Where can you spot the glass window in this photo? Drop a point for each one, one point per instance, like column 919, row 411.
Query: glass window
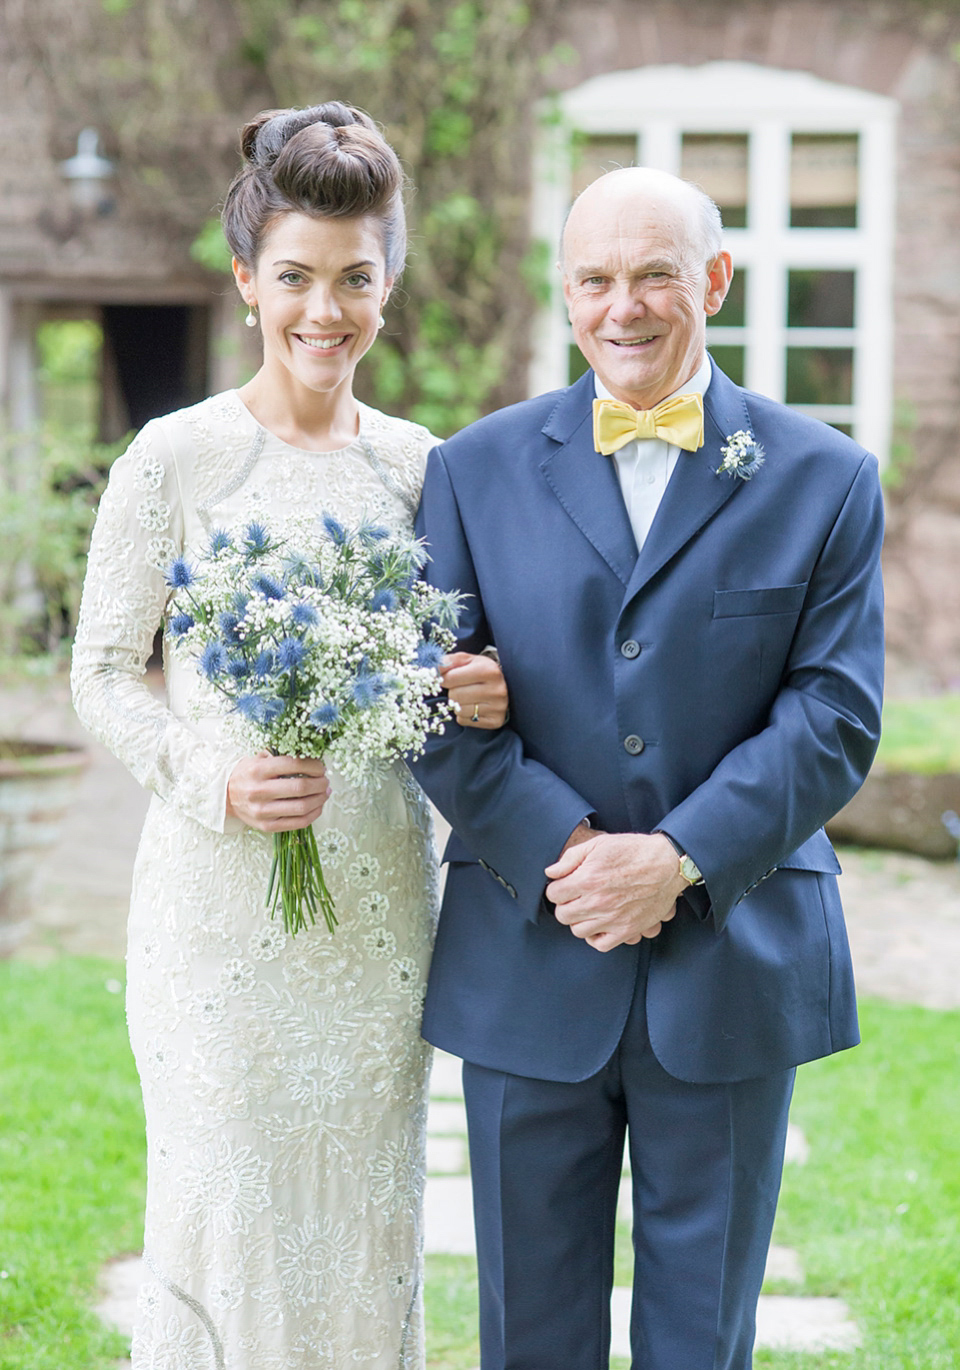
column 729, row 359
column 820, row 299
column 718, row 163
column 819, row 375
column 824, row 180
column 593, row 154
column 733, row 310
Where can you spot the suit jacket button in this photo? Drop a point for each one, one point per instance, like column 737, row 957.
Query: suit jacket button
column 630, row 649
column 633, row 744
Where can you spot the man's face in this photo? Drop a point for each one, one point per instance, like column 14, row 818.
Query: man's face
column 638, row 292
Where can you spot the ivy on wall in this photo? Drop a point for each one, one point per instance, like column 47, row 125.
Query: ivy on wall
column 169, row 82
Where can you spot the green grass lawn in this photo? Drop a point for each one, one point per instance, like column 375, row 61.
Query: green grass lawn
column 874, row 1215
column 921, row 734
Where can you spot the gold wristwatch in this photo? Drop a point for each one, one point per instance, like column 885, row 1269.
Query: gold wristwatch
column 688, row 867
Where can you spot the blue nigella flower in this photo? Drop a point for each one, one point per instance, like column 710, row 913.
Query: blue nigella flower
column 227, row 623
column 268, row 587
column 219, row 541
column 335, row 530
column 429, row 655
column 384, row 599
column 304, row 615
column 265, row 664
column 256, row 539
column 180, row 574
column 213, row 660
column 290, row 654
column 180, row 624
column 325, row 715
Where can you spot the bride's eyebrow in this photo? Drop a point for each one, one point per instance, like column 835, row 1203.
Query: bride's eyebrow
column 302, row 266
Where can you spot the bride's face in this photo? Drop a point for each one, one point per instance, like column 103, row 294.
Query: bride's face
column 319, row 286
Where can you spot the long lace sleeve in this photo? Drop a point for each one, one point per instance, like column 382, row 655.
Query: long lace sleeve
column 139, row 530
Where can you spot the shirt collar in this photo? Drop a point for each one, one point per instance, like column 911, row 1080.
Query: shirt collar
column 696, row 385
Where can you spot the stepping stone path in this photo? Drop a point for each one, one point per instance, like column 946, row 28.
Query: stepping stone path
column 787, row 1322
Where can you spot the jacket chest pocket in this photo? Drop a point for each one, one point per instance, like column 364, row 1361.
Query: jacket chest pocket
column 774, row 599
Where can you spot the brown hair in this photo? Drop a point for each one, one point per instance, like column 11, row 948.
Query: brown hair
column 329, row 161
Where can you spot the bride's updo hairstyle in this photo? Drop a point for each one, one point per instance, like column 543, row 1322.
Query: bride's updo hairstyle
column 330, row 161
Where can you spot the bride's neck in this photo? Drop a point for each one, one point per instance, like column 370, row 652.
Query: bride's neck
column 320, row 421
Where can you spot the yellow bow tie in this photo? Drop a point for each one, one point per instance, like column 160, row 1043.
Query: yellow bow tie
column 678, row 421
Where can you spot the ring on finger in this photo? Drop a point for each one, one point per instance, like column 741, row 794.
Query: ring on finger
column 475, row 716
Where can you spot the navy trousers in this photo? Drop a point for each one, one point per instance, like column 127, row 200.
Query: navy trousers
column 546, row 1161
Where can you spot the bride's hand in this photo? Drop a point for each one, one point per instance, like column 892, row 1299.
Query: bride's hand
column 277, row 793
column 476, row 684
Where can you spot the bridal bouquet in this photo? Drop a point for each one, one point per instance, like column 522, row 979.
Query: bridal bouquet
column 320, row 641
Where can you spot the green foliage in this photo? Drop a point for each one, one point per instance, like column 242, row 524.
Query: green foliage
column 210, row 248
column 71, row 1160
column 902, row 454
column 921, row 734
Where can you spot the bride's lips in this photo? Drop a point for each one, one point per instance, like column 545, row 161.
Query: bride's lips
column 324, row 345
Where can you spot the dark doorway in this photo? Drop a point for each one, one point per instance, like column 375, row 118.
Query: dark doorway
column 154, row 361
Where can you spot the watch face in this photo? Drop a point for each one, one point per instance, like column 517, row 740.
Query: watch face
column 689, row 870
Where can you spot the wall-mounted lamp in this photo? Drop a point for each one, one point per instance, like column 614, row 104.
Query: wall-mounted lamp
column 87, row 174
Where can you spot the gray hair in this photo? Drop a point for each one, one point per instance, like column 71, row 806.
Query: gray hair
column 708, row 213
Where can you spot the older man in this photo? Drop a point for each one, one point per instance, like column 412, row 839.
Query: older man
column 641, row 932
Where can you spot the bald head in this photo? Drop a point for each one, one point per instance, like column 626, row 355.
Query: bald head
column 647, row 190
column 643, row 268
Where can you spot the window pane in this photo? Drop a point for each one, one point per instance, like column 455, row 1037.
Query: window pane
column 576, row 364
column 718, row 163
column 729, row 359
column 593, row 154
column 819, row 375
column 732, row 312
column 824, row 180
column 820, row 299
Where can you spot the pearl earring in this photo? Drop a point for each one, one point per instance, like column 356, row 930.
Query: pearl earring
column 251, row 319
column 382, row 322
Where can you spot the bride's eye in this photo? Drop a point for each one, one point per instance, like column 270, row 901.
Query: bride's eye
column 358, row 279
column 292, row 278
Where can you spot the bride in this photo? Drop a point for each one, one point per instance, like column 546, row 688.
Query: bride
column 284, row 1080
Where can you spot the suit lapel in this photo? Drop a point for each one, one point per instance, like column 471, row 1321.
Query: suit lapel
column 586, row 483
column 694, row 492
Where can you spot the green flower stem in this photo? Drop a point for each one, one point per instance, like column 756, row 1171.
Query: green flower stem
column 296, row 882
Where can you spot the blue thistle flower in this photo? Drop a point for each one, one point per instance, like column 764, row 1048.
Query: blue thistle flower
column 238, row 667
column 219, row 541
column 213, row 660
column 429, row 655
column 304, row 615
column 268, row 587
column 325, row 715
column 367, row 688
column 227, row 623
column 180, row 574
column 335, row 530
column 384, row 599
column 265, row 664
column 290, row 654
column 181, row 623
column 240, row 602
column 256, row 539
column 371, row 533
column 272, row 710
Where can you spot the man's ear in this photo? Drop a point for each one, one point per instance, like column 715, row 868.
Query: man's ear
column 719, row 276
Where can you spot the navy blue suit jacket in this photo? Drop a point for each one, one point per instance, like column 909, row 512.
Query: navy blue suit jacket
column 757, row 609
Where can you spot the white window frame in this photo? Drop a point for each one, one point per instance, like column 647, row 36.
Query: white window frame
column 657, row 105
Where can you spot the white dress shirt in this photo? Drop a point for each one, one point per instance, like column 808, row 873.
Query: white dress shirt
column 645, row 465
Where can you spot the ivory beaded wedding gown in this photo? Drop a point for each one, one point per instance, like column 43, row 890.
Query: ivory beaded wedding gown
column 284, row 1079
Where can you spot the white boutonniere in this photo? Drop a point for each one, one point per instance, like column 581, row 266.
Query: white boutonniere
column 742, row 456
